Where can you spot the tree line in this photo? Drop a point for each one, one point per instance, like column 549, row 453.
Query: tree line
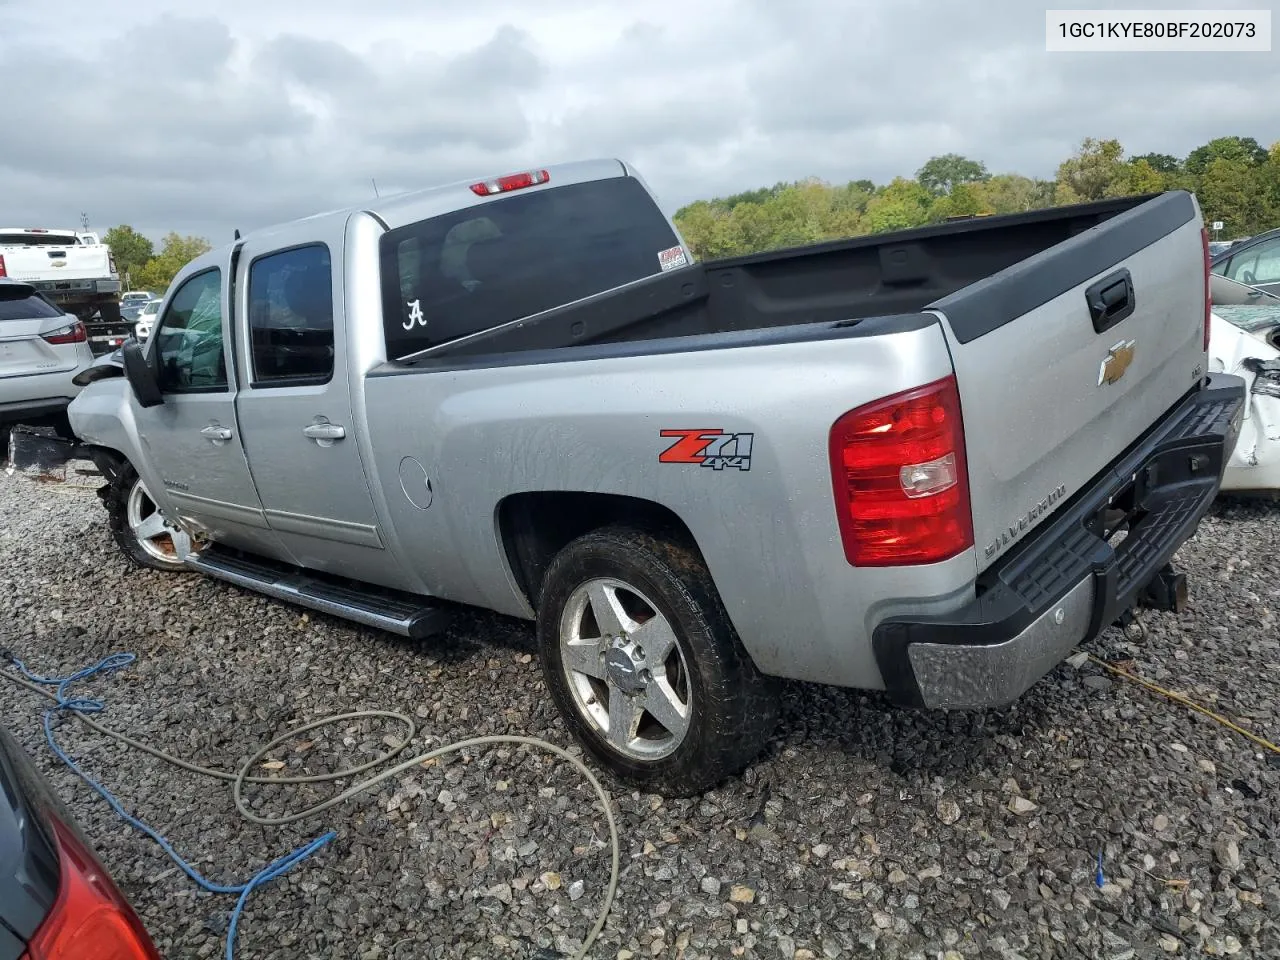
column 1235, row 180
column 142, row 267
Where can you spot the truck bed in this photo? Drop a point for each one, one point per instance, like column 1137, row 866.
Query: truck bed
column 842, row 281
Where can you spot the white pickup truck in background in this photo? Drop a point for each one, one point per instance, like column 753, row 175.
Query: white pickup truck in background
column 75, row 271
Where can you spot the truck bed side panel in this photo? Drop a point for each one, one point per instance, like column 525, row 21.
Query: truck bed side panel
column 769, row 533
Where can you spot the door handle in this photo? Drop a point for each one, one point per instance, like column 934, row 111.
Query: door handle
column 217, row 433
column 324, row 431
column 1110, row 300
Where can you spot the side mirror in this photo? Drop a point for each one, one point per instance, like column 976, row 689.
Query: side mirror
column 142, row 379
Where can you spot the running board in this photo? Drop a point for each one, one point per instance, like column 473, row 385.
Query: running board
column 393, row 611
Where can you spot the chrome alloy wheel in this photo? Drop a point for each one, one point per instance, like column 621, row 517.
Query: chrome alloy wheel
column 626, row 669
column 159, row 539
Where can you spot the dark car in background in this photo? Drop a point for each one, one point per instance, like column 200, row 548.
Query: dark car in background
column 57, row 901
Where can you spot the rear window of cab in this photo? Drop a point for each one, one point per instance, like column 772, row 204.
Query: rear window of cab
column 516, row 256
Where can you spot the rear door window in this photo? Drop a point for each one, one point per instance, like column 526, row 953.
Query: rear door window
column 291, row 317
column 495, row 262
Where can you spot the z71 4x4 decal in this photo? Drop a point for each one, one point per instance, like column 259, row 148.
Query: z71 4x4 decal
column 708, row 448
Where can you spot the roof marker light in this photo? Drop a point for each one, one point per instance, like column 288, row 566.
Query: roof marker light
column 513, row 181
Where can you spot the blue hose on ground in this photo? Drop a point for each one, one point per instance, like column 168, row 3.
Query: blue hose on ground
column 363, row 777
column 88, row 705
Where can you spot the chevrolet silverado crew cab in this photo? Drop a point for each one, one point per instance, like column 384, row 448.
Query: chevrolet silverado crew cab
column 900, row 462
column 74, row 270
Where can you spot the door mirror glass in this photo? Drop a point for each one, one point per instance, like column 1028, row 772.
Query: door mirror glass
column 142, row 379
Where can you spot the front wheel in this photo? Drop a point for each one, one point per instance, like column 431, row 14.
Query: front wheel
column 644, row 665
column 140, row 529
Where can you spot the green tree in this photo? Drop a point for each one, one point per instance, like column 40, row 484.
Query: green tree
column 1237, row 149
column 1014, row 193
column 964, row 200
column 1136, row 178
column 176, row 252
column 940, row 174
column 1090, row 172
column 1162, row 162
column 902, row 204
column 130, row 249
column 1229, row 191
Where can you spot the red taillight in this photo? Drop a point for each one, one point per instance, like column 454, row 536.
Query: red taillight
column 3, row 271
column 71, row 333
column 901, row 480
column 515, row 181
column 90, row 920
column 1208, row 285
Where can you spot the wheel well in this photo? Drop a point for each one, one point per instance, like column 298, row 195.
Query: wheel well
column 109, row 461
column 536, row 526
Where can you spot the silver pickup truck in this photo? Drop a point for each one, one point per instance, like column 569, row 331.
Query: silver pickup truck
column 928, row 462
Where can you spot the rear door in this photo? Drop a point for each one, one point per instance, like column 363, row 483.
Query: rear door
column 1064, row 359
column 295, row 413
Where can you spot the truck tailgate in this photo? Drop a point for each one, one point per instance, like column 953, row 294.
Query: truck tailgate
column 56, row 263
column 1052, row 390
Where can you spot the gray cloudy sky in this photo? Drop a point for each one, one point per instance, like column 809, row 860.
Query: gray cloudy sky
column 166, row 117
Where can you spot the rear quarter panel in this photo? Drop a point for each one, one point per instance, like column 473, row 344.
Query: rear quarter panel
column 769, row 534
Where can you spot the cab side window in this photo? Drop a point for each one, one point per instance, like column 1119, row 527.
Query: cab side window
column 291, row 317
column 189, row 350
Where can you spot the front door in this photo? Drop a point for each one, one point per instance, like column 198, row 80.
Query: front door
column 295, row 413
column 193, row 450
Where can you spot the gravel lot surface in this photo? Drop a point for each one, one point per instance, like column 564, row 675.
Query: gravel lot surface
column 865, row 829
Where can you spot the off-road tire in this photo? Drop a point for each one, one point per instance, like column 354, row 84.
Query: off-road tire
column 116, row 499
column 733, row 707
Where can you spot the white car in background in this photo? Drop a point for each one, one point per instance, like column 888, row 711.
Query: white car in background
column 1244, row 339
column 41, row 349
column 146, row 320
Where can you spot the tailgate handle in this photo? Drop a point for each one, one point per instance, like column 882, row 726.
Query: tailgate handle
column 1110, row 300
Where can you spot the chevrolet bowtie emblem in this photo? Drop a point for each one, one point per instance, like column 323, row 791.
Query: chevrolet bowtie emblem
column 1117, row 362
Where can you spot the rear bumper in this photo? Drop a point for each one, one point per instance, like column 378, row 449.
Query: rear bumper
column 59, row 290
column 1067, row 583
column 31, row 410
column 37, row 396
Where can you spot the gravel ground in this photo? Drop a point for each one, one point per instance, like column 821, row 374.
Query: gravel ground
column 864, row 828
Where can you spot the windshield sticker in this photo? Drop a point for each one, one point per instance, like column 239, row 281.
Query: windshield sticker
column 672, row 258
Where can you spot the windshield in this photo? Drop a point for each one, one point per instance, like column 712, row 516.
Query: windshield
column 151, row 309
column 23, row 239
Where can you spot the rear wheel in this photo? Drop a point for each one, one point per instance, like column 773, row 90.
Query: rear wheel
column 139, row 528
column 644, row 665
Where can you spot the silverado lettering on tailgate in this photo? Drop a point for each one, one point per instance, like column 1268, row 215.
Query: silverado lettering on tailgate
column 1024, row 522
